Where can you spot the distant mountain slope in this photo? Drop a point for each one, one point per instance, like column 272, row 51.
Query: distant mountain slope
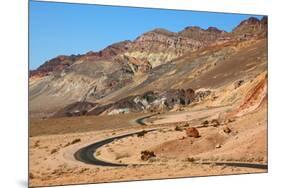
column 158, row 61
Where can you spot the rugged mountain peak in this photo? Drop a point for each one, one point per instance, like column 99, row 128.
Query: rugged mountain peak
column 251, row 25
column 158, row 34
column 162, row 31
column 264, row 20
column 250, row 21
column 203, row 35
column 149, row 45
column 57, row 63
column 214, row 30
column 193, row 28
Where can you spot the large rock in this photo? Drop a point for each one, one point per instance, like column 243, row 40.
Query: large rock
column 192, row 132
column 146, row 155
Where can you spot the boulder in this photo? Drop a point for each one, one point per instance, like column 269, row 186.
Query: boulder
column 192, row 132
column 146, row 155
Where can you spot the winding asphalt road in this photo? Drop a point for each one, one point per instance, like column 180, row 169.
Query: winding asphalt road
column 140, row 120
column 87, row 156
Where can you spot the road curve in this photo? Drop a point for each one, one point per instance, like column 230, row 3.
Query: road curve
column 86, row 155
column 140, row 120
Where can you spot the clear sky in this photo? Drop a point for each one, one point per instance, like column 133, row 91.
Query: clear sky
column 65, row 29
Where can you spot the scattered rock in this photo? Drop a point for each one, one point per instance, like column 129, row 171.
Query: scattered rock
column 185, row 124
column 58, row 172
column 67, row 144
column 226, row 129
column 142, row 133
column 73, row 142
column 37, row 143
column 83, row 170
column 192, row 132
column 178, row 128
column 218, row 146
column 146, row 155
column 215, row 123
column 230, row 120
column 205, row 123
column 238, row 84
column 54, row 151
column 190, row 159
column 31, row 176
column 76, row 141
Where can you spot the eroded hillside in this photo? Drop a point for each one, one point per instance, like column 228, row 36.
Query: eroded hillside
column 158, row 71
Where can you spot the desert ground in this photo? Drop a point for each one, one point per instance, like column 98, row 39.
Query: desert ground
column 233, row 139
column 199, row 108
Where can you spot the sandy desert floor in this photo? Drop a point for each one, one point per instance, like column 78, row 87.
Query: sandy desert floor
column 52, row 160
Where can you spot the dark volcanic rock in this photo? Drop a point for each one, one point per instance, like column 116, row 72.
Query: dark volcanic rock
column 145, row 155
column 75, row 109
column 178, row 96
column 149, row 100
column 201, row 95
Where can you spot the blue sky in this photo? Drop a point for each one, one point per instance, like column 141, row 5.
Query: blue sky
column 65, row 29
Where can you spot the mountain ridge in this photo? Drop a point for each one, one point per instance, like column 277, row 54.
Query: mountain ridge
column 154, row 62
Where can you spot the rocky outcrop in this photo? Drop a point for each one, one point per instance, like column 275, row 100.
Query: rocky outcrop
column 178, row 96
column 151, row 101
column 75, row 109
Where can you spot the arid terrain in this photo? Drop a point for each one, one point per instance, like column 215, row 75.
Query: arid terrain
column 166, row 105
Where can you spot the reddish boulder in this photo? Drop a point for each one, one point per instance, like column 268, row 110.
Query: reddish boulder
column 192, row 132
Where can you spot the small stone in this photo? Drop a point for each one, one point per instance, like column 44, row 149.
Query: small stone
column 76, row 141
column 54, row 151
column 227, row 130
column 218, row 146
column 186, row 124
column 215, row 123
column 205, row 123
column 31, row 176
column 177, row 128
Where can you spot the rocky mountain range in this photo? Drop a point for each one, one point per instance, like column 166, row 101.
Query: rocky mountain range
column 159, row 70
